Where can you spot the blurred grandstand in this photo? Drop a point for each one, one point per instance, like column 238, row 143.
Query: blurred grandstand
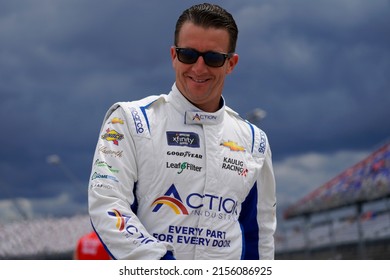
column 50, row 238
column 346, row 218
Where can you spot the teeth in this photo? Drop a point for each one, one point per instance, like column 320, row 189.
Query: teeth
column 199, row 81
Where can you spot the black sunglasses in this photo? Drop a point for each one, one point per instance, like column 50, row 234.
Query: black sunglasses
column 212, row 59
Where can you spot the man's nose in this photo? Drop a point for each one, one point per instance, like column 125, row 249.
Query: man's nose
column 199, row 65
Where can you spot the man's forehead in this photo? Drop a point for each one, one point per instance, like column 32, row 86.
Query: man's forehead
column 192, row 33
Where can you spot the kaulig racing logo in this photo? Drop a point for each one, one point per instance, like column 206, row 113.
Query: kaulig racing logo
column 194, row 201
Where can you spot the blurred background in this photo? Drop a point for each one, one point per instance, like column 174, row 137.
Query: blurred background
column 312, row 74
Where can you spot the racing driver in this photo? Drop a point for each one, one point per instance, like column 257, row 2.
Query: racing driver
column 181, row 175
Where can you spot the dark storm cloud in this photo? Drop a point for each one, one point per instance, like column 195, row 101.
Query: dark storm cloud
column 318, row 68
column 63, row 63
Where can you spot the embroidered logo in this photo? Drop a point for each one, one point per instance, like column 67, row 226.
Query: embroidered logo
column 183, row 139
column 175, row 202
column 117, row 120
column 233, row 146
column 112, row 135
column 235, row 165
column 121, row 220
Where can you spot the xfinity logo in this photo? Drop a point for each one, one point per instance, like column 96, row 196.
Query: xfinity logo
column 183, row 139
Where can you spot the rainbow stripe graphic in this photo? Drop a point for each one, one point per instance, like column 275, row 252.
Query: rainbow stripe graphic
column 175, row 204
column 120, row 222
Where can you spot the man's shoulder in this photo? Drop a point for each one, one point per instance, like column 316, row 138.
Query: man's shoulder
column 137, row 105
column 256, row 137
column 134, row 113
column 144, row 102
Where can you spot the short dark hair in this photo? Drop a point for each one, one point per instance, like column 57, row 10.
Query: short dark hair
column 209, row 15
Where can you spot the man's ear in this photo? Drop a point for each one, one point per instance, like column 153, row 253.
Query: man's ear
column 232, row 62
column 173, row 53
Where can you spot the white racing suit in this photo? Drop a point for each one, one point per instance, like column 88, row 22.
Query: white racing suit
column 169, row 177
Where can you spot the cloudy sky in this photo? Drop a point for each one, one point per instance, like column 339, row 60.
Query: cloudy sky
column 319, row 69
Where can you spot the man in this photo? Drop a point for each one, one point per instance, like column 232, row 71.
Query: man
column 182, row 176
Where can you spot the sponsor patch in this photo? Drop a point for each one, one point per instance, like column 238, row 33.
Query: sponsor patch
column 234, row 165
column 113, row 136
column 200, row 118
column 183, row 139
column 129, row 230
column 184, row 166
column 263, row 142
column 139, row 126
column 106, row 151
column 200, row 204
column 233, row 146
column 102, row 163
column 184, row 154
column 116, row 121
column 103, row 176
column 174, row 202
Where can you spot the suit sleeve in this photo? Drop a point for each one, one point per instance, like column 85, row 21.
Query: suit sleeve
column 258, row 213
column 111, row 193
column 267, row 208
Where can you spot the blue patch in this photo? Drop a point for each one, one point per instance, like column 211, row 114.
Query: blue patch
column 183, row 139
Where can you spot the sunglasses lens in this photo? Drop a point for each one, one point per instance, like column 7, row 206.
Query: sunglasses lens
column 187, row 56
column 214, row 59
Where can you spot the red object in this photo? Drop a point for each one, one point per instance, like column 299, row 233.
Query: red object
column 89, row 247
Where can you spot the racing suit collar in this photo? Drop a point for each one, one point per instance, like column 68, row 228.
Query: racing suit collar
column 192, row 114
